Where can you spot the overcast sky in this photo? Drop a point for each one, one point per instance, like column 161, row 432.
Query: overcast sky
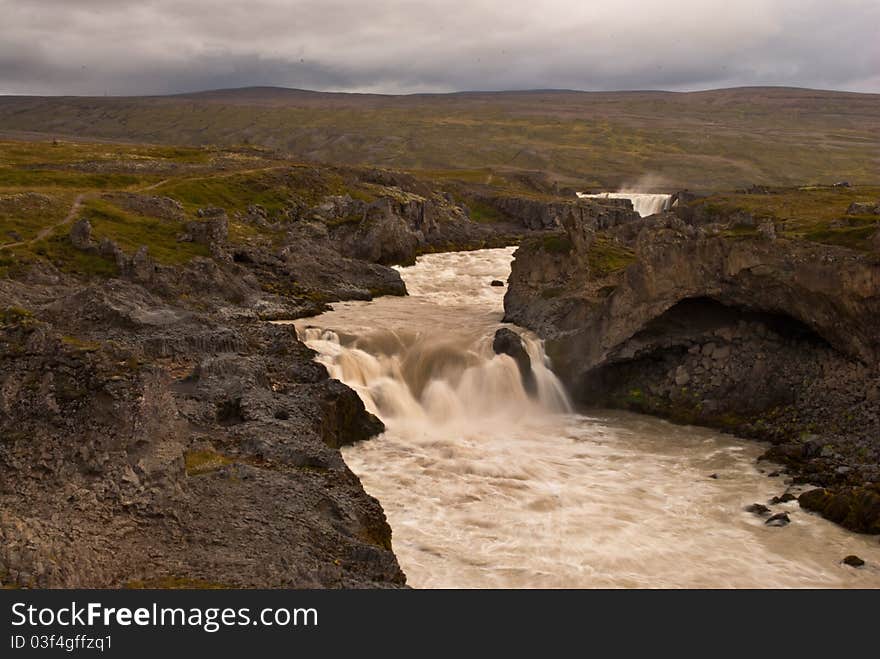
column 398, row 46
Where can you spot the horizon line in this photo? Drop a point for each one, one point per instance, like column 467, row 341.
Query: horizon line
column 447, row 93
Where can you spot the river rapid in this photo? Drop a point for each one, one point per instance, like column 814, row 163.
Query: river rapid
column 486, row 487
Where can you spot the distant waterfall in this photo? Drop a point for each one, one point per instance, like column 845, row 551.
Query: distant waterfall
column 644, row 204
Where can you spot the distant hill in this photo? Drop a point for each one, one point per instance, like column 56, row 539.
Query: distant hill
column 713, row 139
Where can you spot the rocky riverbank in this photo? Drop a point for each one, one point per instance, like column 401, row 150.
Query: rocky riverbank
column 156, row 430
column 726, row 319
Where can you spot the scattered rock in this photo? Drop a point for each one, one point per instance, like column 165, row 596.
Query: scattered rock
column 785, row 498
column 496, row 282
column 856, row 508
column 81, row 234
column 212, row 231
column 853, row 561
column 757, row 509
column 779, row 519
column 508, row 342
column 682, row 377
column 163, row 208
column 863, row 208
column 768, row 230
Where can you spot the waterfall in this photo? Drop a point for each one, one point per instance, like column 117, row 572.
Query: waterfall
column 486, row 486
column 644, row 203
column 440, row 382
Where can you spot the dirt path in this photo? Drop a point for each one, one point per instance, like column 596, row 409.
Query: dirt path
column 153, row 186
column 45, row 231
column 78, row 201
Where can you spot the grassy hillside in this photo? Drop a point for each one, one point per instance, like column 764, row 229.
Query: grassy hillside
column 817, row 214
column 705, row 140
column 46, row 186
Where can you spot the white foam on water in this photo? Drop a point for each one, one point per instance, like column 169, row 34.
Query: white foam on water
column 485, row 486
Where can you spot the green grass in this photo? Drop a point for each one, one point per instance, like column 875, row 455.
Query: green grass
column 605, row 256
column 235, row 192
column 708, row 140
column 14, row 316
column 66, row 153
column 853, row 237
column 59, row 251
column 24, row 213
column 274, row 188
column 556, row 244
column 204, row 462
column 39, row 182
column 483, row 212
column 131, row 231
column 815, row 213
column 47, row 178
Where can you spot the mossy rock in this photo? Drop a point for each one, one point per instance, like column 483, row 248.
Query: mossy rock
column 606, row 256
column 15, row 316
column 204, row 462
column 856, row 508
column 556, row 244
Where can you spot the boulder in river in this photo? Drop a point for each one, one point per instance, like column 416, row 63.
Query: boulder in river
column 758, row 509
column 508, row 342
column 853, row 561
column 779, row 519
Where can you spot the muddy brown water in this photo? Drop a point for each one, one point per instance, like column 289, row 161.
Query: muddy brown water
column 485, row 487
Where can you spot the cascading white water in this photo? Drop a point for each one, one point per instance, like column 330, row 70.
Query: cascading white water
column 416, row 379
column 486, row 487
column 644, row 203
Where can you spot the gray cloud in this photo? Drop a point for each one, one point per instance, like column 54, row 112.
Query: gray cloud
column 164, row 46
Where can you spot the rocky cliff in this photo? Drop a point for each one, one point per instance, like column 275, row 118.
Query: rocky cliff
column 710, row 321
column 150, row 440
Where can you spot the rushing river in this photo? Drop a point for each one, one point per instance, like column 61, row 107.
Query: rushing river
column 486, row 487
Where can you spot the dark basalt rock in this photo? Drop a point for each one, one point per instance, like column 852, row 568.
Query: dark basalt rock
column 163, row 208
column 853, row 561
column 346, row 421
column 496, row 282
column 757, row 509
column 680, row 316
column 784, row 498
column 81, row 234
column 779, row 519
column 856, row 508
column 508, row 342
column 158, row 414
column 863, row 208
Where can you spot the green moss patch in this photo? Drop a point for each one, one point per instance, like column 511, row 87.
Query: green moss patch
column 24, row 214
column 556, row 244
column 816, row 213
column 63, row 255
column 483, row 213
column 606, row 256
column 131, row 231
column 204, row 462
